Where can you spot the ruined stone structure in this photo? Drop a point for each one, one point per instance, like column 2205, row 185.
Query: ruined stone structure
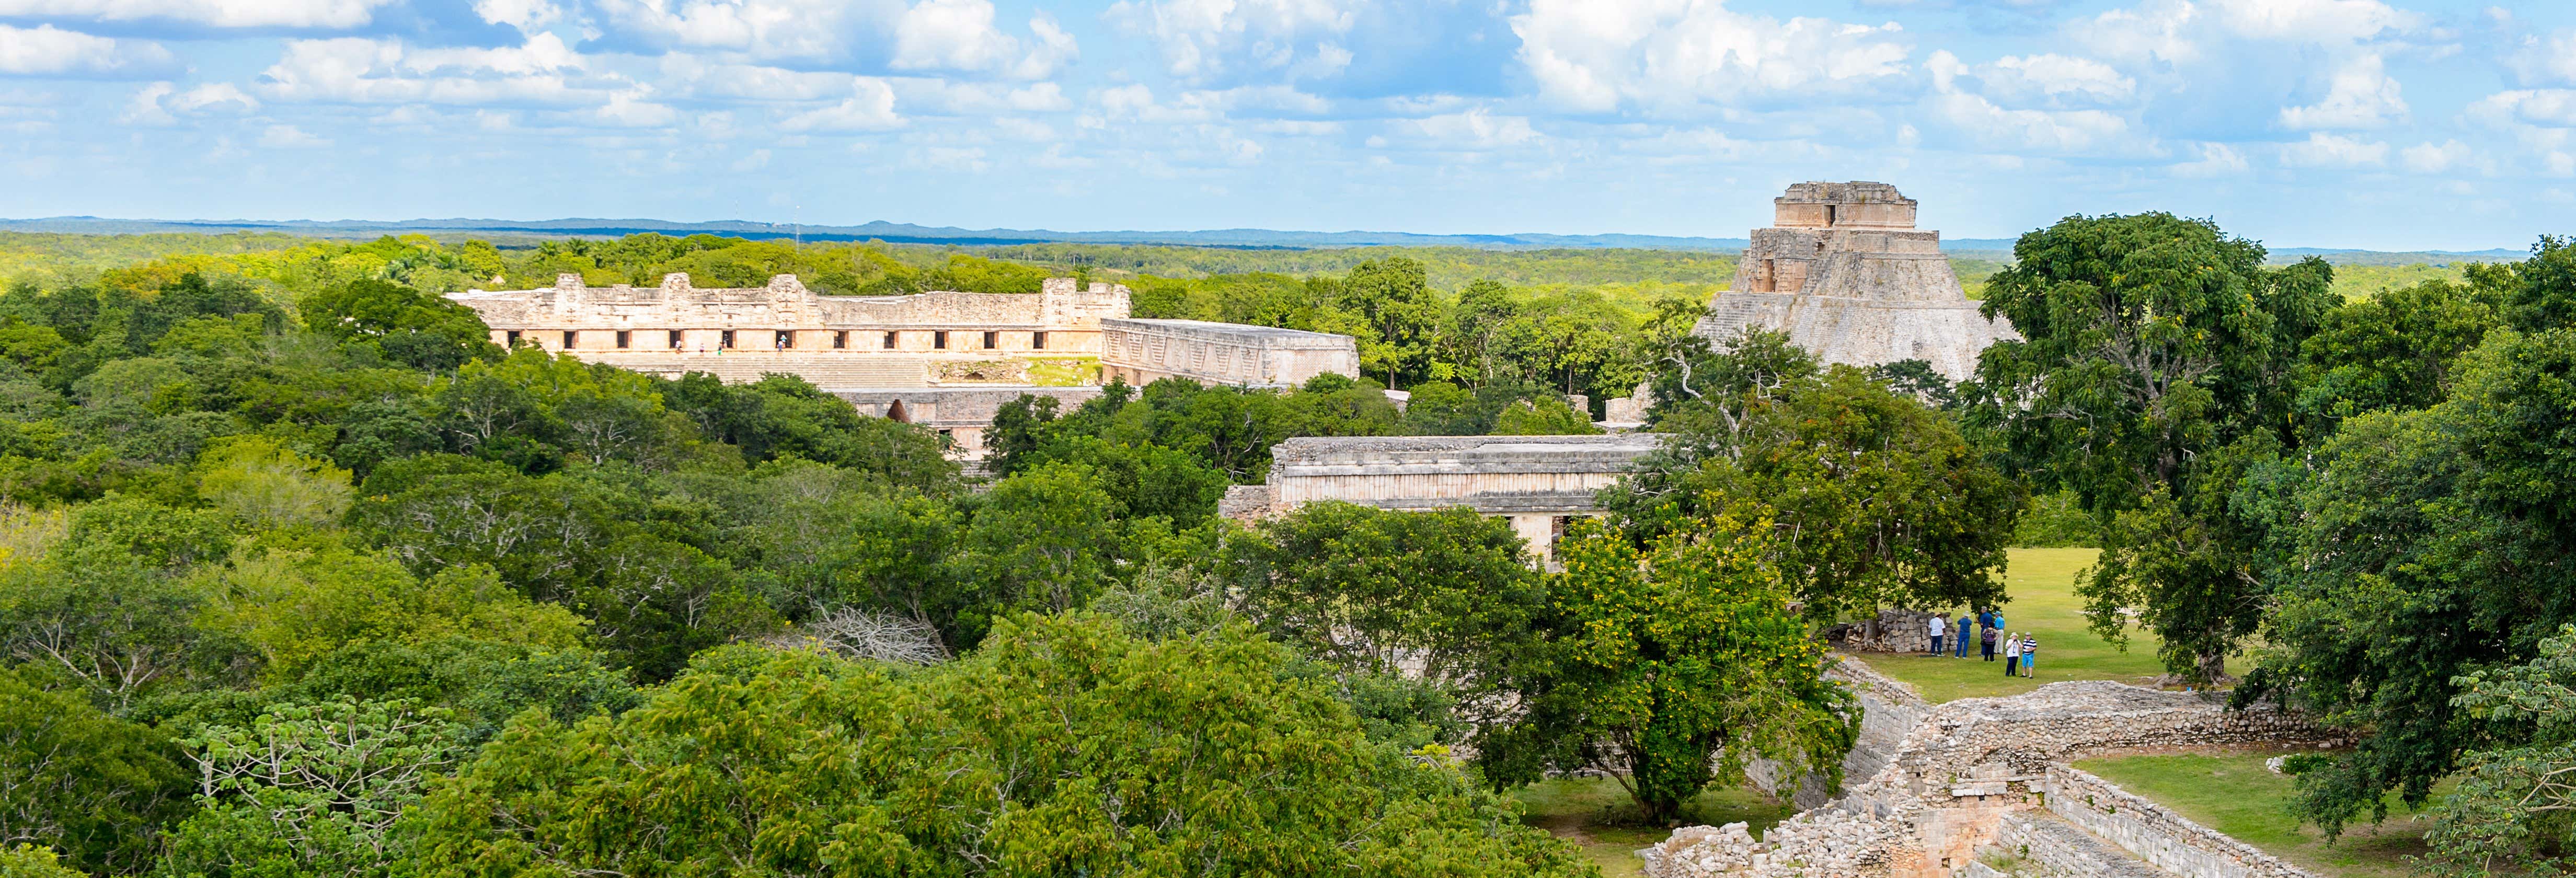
column 1989, row 775
column 960, row 413
column 1846, row 274
column 1538, row 482
column 1143, row 351
column 737, row 334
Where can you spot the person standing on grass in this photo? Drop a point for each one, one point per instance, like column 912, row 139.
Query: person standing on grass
column 1940, row 624
column 1967, row 628
column 2012, row 656
column 2029, row 654
column 1986, row 641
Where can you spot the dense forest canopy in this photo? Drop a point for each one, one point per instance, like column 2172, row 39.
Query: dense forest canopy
column 300, row 574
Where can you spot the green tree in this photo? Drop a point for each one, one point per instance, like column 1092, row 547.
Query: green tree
column 2393, row 350
column 267, row 486
column 419, row 330
column 1061, row 747
column 2514, row 809
column 1877, row 499
column 90, row 785
column 1543, row 415
column 2149, row 342
column 1402, row 317
column 1370, row 590
column 309, row 789
column 1670, row 670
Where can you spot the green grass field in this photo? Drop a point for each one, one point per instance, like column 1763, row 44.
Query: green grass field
column 2233, row 793
column 1595, row 812
column 2041, row 584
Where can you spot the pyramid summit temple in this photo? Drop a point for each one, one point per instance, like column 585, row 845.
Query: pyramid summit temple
column 1844, row 271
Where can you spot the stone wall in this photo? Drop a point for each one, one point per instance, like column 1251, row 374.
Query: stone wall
column 1143, row 351
column 1941, row 796
column 960, row 413
column 1890, row 710
column 2153, row 832
column 2042, row 847
column 1536, row 482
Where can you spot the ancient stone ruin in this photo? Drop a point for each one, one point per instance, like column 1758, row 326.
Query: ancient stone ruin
column 1844, row 271
column 1145, row 351
column 1932, row 788
column 1539, row 483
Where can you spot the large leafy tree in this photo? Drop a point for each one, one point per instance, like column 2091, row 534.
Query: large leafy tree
column 2149, row 343
column 2427, row 546
column 2514, row 810
column 1447, row 595
column 1060, row 747
column 1670, row 669
column 89, row 785
column 1876, row 499
column 418, row 329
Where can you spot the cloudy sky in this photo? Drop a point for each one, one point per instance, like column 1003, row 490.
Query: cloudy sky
column 2401, row 124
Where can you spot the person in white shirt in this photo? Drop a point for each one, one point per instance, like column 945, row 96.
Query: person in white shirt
column 2012, row 656
column 1939, row 625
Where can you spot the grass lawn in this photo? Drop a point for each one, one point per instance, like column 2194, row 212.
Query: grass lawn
column 2041, row 584
column 1595, row 812
column 2233, row 793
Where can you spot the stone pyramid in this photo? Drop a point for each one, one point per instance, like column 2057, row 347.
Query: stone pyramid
column 1846, row 274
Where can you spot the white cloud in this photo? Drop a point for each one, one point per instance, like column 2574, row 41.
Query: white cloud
column 959, row 35
column 1473, row 130
column 767, row 30
column 290, row 137
column 2216, row 160
column 1990, row 125
column 2428, row 158
column 162, row 103
column 1601, row 55
column 1204, row 39
column 870, row 107
column 46, row 50
column 2546, row 60
column 214, row 13
column 2361, row 95
column 2059, row 77
column 940, row 96
column 2155, row 30
column 634, row 108
column 2313, row 20
column 2322, row 150
column 364, row 71
column 2547, row 108
column 526, row 15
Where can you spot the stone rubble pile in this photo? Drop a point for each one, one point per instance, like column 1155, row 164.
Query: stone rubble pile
column 1827, row 842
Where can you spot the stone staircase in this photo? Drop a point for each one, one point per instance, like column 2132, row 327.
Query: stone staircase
column 2038, row 844
column 824, row 370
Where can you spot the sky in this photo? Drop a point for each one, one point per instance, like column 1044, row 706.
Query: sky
column 2382, row 124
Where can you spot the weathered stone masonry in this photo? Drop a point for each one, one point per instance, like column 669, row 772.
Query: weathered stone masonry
column 1538, row 482
column 1846, row 274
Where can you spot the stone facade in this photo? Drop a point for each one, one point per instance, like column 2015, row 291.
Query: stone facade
column 1846, row 274
column 1942, row 794
column 960, row 413
column 835, row 341
column 1143, row 351
column 1538, row 482
column 2153, row 832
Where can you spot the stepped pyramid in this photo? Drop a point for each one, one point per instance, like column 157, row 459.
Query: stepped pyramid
column 1846, row 274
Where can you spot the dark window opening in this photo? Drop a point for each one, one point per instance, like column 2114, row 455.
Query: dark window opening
column 675, row 339
column 623, row 337
column 1037, row 341
column 992, row 340
column 569, row 335
column 840, row 339
column 895, row 413
column 510, row 339
column 726, row 340
column 939, row 339
column 889, row 341
column 1829, row 216
column 786, row 339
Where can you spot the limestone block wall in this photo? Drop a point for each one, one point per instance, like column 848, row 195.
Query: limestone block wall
column 1144, row 351
column 2046, row 848
column 1890, row 710
column 2153, row 832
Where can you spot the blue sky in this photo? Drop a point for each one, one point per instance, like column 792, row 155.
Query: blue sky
column 2389, row 124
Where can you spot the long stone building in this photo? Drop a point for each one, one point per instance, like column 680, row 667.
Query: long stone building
column 945, row 360
column 1143, row 351
column 738, row 334
column 1538, row 482
column 1844, row 271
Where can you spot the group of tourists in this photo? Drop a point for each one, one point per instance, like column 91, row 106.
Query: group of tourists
column 2020, row 650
